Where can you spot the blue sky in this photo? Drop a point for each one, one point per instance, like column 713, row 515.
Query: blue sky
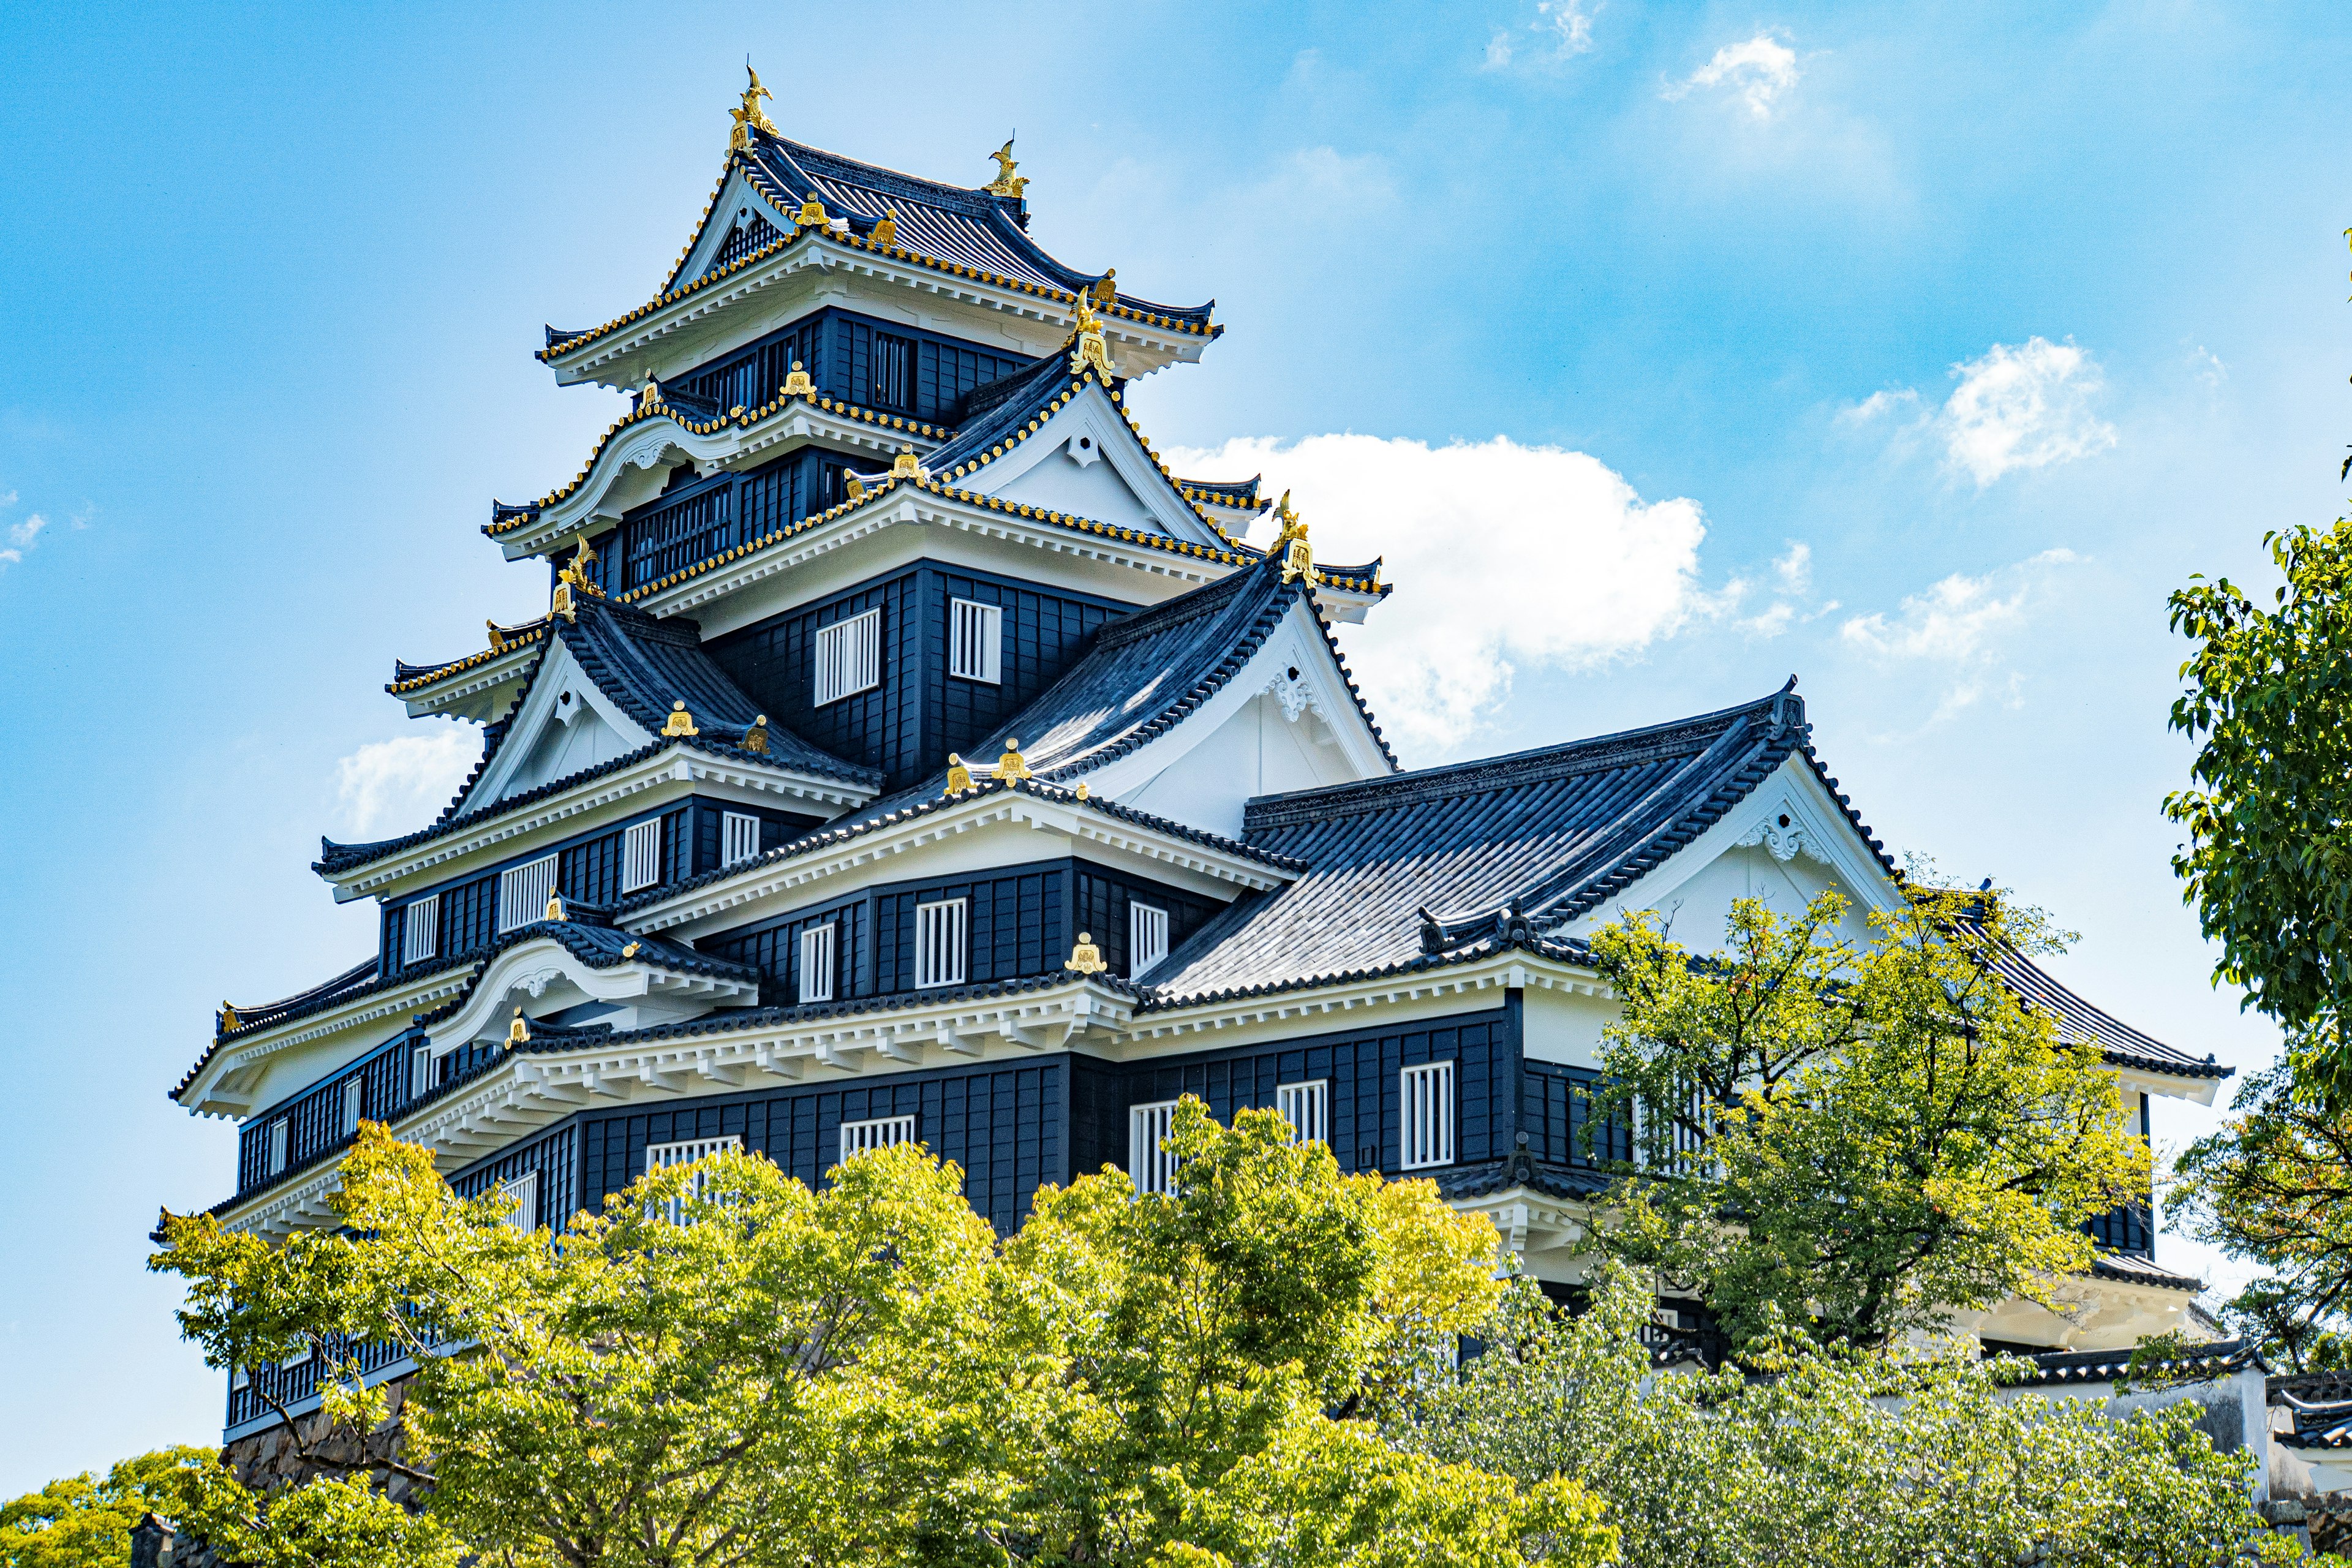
column 1919, row 350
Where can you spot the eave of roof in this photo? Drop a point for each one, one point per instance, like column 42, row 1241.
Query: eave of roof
column 410, row 678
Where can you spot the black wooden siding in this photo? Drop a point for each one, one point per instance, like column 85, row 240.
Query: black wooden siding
column 837, row 348
column 909, row 724
column 314, row 1115
column 1556, row 1113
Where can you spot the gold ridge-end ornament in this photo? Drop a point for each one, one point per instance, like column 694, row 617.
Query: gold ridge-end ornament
column 755, row 739
column 229, row 1023
column 797, row 382
column 886, row 230
column 906, row 465
column 959, row 776
column 1085, row 958
column 1007, row 182
column 519, row 1032
column 680, row 722
column 555, row 907
column 748, row 118
column 1011, row 766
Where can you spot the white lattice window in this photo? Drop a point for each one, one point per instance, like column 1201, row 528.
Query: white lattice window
column 420, row 1071
column 523, row 1192
column 848, row 657
column 524, row 893
column 1425, row 1134
column 355, row 1104
column 738, row 837
column 278, row 1136
column 420, row 929
column 857, row 1136
column 939, row 942
column 1150, row 1166
column 640, row 856
column 817, row 962
column 662, row 1156
column 1147, row 937
column 975, row 640
column 1307, row 1107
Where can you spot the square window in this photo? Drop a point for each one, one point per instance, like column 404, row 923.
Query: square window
column 817, row 963
column 640, row 856
column 848, row 657
column 1306, row 1107
column 975, row 640
column 939, row 942
column 857, row 1136
column 1150, row 1166
column 1425, row 1136
column 738, row 837
column 420, row 930
column 1147, row 937
column 524, row 893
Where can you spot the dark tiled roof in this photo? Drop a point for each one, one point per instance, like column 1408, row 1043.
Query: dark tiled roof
column 953, row 223
column 359, row 980
column 598, row 944
column 2080, row 1023
column 2133, row 1269
column 1147, row 673
column 1012, row 401
column 1458, row 1183
column 930, row 796
column 2061, row 1368
column 2312, row 1387
column 643, row 664
column 1241, row 494
column 1553, row 832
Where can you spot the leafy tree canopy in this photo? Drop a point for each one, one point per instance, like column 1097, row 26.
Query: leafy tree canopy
column 1859, row 1137
column 85, row 1520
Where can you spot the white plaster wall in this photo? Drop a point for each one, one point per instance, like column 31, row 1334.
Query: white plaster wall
column 1254, row 751
column 1696, row 909
column 1093, row 489
column 1565, row 1026
column 563, row 749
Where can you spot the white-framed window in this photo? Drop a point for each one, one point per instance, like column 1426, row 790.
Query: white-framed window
column 939, row 942
column 278, row 1135
column 662, row 1156
column 975, row 640
column 1149, row 1166
column 420, row 1071
column 1147, row 937
column 738, row 837
column 817, row 962
column 1425, row 1128
column 524, row 893
column 848, row 657
column 355, row 1104
column 641, row 855
column 1307, row 1107
column 420, row 930
column 523, row 1193
column 857, row 1137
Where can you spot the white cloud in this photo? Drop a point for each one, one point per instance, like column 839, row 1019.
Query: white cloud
column 402, row 782
column 2026, row 405
column 1503, row 557
column 1498, row 51
column 1795, row 567
column 1568, row 23
column 20, row 535
column 1962, row 624
column 2207, row 367
column 1759, row 70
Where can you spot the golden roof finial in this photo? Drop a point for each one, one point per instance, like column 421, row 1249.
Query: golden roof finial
column 1082, row 791
column 854, row 487
column 755, row 739
column 555, row 907
column 1007, row 182
column 905, row 465
column 1087, row 347
column 1085, row 958
column 886, row 229
column 519, row 1032
column 1010, row 766
column 749, row 118
column 560, row 602
column 680, row 722
column 229, row 1022
column 812, row 213
column 959, row 776
column 1106, row 289
column 797, row 383
column 497, row 638
column 630, row 951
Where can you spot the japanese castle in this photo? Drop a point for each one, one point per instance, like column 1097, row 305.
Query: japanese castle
column 906, row 754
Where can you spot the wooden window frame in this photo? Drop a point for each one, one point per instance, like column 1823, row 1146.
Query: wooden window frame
column 875, row 1132
column 1307, row 1106
column 1149, row 1166
column 932, row 945
column 641, row 847
column 820, row 959
column 847, row 657
column 734, row 826
column 976, row 641
column 1425, row 1112
column 420, row 929
column 1145, row 921
column 534, row 902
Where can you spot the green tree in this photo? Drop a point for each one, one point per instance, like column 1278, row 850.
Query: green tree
column 1833, row 1459
column 1857, row 1137
column 2268, row 863
column 84, row 1522
column 2273, row 1185
column 724, row 1367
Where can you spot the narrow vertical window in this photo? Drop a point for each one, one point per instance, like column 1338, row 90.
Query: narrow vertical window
column 523, row 1193
column 1147, row 937
column 641, row 855
column 975, row 641
column 894, row 371
column 420, row 1071
column 738, row 837
column 277, row 1146
column 848, row 657
column 1306, row 1107
column 817, row 963
column 524, row 893
column 662, row 1156
column 355, row 1104
column 420, row 929
column 939, row 942
column 1150, row 1166
column 857, row 1136
column 1425, row 1132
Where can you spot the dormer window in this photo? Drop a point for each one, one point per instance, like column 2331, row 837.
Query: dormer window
column 420, row 933
column 848, row 657
column 975, row 641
